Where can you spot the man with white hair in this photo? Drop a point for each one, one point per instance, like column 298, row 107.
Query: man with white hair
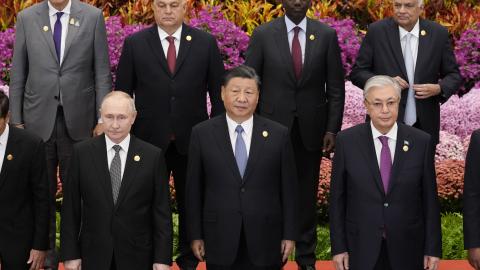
column 418, row 54
column 384, row 212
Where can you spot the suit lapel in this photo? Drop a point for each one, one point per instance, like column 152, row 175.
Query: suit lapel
column 424, row 45
column 9, row 150
column 281, row 39
column 394, row 39
column 76, row 15
column 365, row 142
column 223, row 141
column 154, row 41
column 184, row 46
column 256, row 145
column 99, row 155
column 131, row 167
column 43, row 22
column 310, row 47
column 400, row 155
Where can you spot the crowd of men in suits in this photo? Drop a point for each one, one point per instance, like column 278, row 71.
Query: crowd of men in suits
column 246, row 176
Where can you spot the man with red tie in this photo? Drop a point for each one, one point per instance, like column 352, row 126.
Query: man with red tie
column 169, row 68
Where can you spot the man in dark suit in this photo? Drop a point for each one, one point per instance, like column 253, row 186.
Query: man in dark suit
column 471, row 200
column 384, row 212
column 169, row 68
column 241, row 184
column 116, row 212
column 298, row 61
column 426, row 69
column 24, row 206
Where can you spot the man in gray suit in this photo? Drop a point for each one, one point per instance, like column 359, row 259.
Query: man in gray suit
column 59, row 76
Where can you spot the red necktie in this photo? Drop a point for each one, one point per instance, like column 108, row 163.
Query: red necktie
column 171, row 54
column 296, row 53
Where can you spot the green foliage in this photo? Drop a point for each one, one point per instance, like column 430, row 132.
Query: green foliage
column 323, row 249
column 452, row 237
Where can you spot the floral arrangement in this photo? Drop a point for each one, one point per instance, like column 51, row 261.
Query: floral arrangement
column 232, row 40
column 450, row 147
column 7, row 39
column 467, row 52
column 354, row 112
column 461, row 115
column 450, row 179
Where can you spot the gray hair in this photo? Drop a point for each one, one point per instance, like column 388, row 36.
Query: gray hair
column 382, row 81
column 120, row 94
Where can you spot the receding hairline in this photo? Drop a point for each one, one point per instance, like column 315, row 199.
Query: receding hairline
column 121, row 96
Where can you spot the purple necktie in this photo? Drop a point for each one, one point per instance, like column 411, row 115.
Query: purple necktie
column 57, row 35
column 385, row 162
column 296, row 53
column 171, row 54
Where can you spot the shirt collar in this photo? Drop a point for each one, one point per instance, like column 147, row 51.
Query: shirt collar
column 177, row 35
column 124, row 144
column 415, row 31
column 291, row 25
column 4, row 136
column 247, row 125
column 53, row 11
column 392, row 134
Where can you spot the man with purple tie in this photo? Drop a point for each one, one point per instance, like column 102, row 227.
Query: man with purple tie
column 384, row 212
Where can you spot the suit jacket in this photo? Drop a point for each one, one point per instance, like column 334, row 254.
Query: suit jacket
column 170, row 103
column 360, row 211
column 24, row 195
column 219, row 202
column 317, row 98
column 471, row 194
column 381, row 54
column 137, row 230
column 38, row 81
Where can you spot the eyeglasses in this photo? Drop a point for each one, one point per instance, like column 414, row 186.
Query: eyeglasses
column 378, row 106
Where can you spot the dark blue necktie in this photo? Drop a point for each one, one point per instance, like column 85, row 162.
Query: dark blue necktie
column 240, row 151
column 57, row 35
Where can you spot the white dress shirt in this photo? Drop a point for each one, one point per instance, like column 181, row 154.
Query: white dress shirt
column 52, row 13
column 246, row 134
column 413, row 41
column 163, row 38
column 392, row 141
column 301, row 34
column 3, row 145
column 123, row 152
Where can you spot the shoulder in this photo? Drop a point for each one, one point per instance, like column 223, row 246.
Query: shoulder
column 87, row 8
column 145, row 146
column 381, row 25
column 267, row 27
column 210, row 123
column 434, row 27
column 352, row 132
column 197, row 33
column 320, row 26
column 27, row 12
column 415, row 133
column 270, row 124
column 475, row 135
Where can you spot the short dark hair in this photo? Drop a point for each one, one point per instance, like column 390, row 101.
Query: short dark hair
column 4, row 105
column 241, row 71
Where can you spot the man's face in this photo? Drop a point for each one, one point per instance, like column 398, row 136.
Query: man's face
column 118, row 117
column 382, row 107
column 4, row 123
column 169, row 14
column 296, row 10
column 240, row 98
column 406, row 13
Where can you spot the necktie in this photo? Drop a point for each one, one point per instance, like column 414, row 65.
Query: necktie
column 410, row 110
column 385, row 162
column 116, row 172
column 171, row 54
column 240, row 151
column 57, row 35
column 296, row 53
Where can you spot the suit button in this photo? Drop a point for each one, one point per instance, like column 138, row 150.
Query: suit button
column 60, row 74
column 242, row 190
column 385, row 205
column 55, row 97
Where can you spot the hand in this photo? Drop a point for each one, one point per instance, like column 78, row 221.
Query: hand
column 423, row 91
column 403, row 84
column 287, row 249
column 328, row 142
column 98, row 130
column 36, row 259
column 474, row 257
column 22, row 126
column 340, row 261
column 198, row 248
column 430, row 263
column 73, row 264
column 159, row 266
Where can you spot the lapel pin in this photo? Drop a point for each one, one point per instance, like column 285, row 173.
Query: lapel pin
column 9, row 157
column 405, row 148
column 77, row 24
column 136, row 158
column 72, row 21
column 188, row 38
column 406, row 143
column 423, row 33
column 45, row 28
column 312, row 37
column 265, row 133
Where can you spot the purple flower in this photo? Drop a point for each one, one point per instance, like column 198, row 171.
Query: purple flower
column 7, row 39
column 461, row 115
column 467, row 52
column 354, row 112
